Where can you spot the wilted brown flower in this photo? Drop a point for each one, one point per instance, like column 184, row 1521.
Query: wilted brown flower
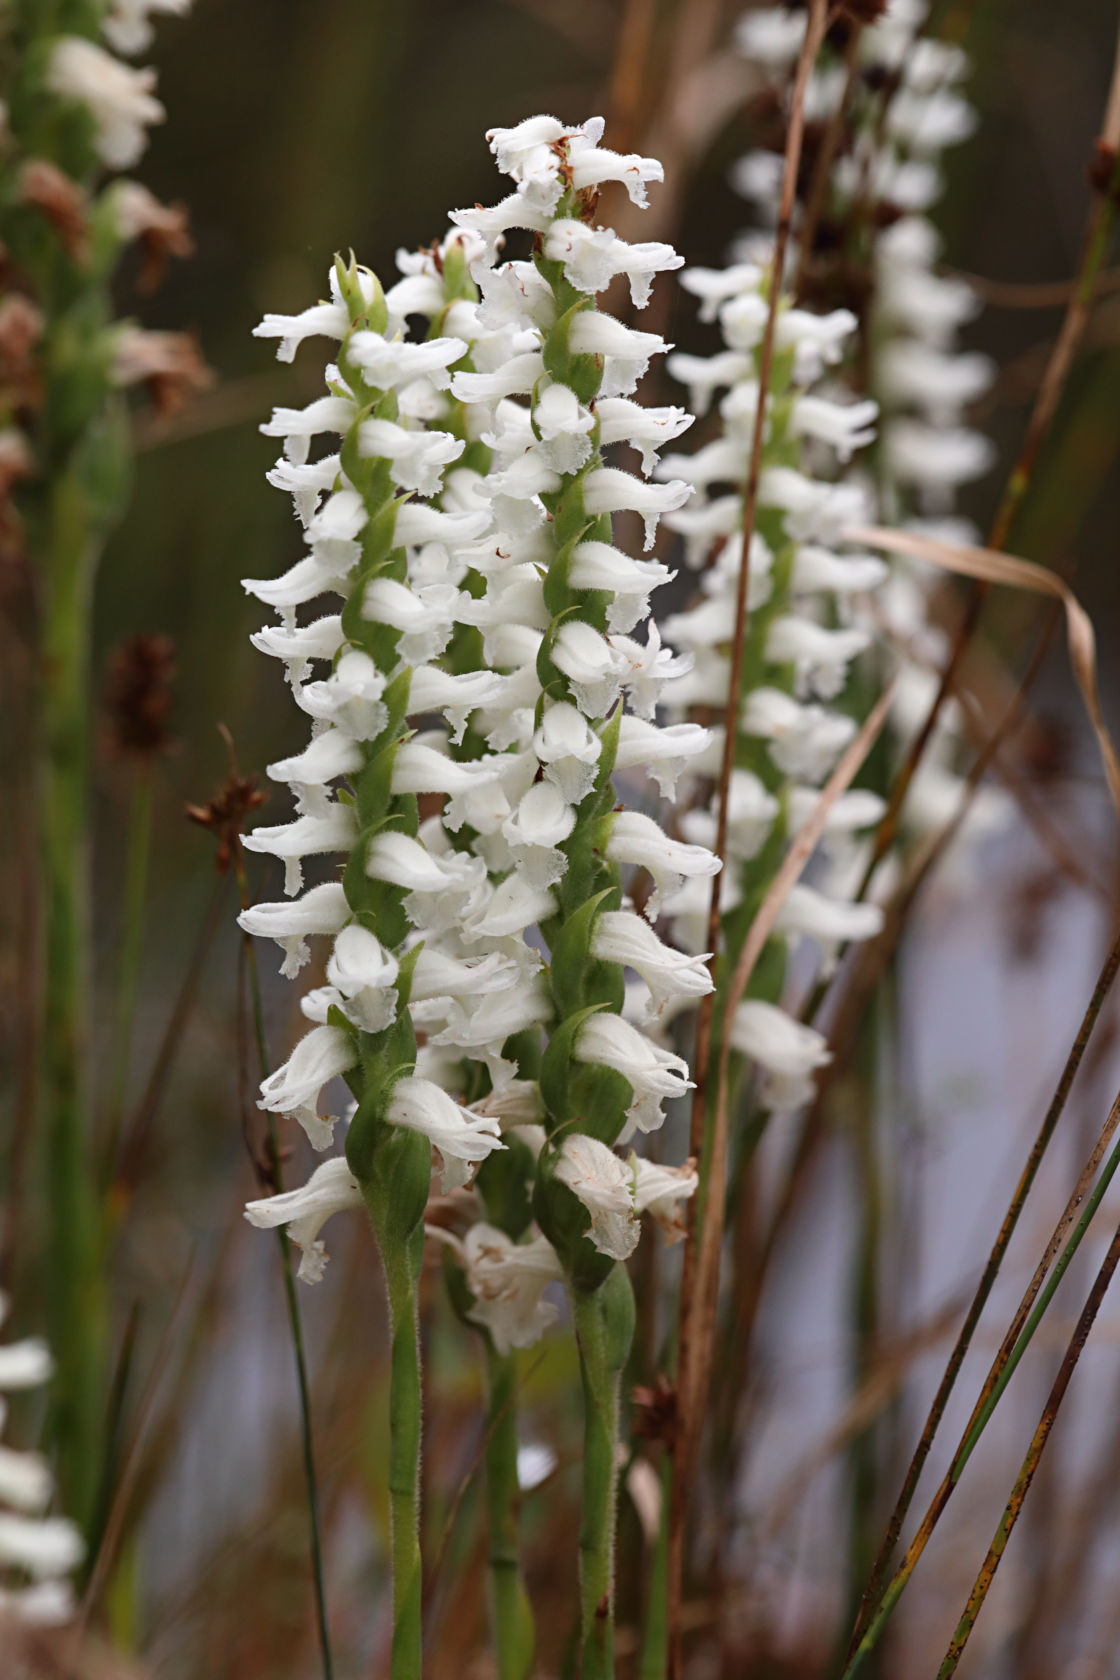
column 170, row 364
column 161, row 229
column 226, row 814
column 138, row 695
column 63, row 202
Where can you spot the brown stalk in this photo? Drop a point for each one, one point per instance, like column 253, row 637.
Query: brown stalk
column 826, row 157
column 1031, row 1462
column 1106, row 180
column 987, row 1281
column 875, row 1611
column 687, row 1422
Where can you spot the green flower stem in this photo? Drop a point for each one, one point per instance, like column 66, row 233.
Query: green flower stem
column 514, row 1636
column 75, row 1284
column 402, row 1276
column 604, row 1324
column 137, row 857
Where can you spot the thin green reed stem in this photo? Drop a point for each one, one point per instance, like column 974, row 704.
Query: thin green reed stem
column 75, row 1291
column 1030, row 1463
column 295, row 1322
column 514, row 1637
column 604, row 1326
column 987, row 1281
column 983, row 1413
column 402, row 1272
column 137, row 855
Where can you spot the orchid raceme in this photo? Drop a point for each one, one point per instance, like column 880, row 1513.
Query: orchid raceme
column 805, row 584
column 70, row 110
column 399, row 917
column 551, row 383
column 882, row 192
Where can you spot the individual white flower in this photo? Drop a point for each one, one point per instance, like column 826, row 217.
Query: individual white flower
column 417, row 458
column 648, row 666
column 818, row 569
column 330, row 1189
column 590, row 664
column 665, row 753
column 564, row 426
column 389, row 363
column 647, row 429
column 620, row 936
column 830, row 921
column 592, row 166
column 626, row 351
column 332, row 829
column 512, row 907
column 127, row 26
column 607, row 490
column 604, row 1185
column 592, row 257
column 25, row 1364
column 658, row 1190
column 508, row 1281
column 120, row 99
column 323, row 1054
column 654, row 1074
column 542, row 820
column 25, row 1480
column 637, row 839
column 321, row 910
column 597, row 565
column 569, row 749
column 788, row 1052
column 771, row 36
column 804, row 740
column 819, row 655
column 43, row 1546
column 462, row 1139
column 845, row 427
column 936, row 458
column 365, row 975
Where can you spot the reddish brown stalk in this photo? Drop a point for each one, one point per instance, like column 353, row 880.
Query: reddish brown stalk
column 687, row 1430
column 826, row 157
column 987, row 1281
column 1031, row 1462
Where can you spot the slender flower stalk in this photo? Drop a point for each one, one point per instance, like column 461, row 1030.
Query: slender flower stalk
column 72, row 111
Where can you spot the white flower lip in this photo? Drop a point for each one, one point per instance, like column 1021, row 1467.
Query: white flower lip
column 330, row 1189
column 462, row 1138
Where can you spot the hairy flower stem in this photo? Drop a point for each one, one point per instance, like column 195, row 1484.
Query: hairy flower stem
column 604, row 1324
column 514, row 1637
column 75, row 1289
column 402, row 1275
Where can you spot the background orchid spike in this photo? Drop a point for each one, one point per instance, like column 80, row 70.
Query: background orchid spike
column 803, row 635
column 38, row 1553
column 887, row 177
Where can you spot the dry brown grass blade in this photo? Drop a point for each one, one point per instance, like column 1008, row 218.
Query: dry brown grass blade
column 990, row 566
